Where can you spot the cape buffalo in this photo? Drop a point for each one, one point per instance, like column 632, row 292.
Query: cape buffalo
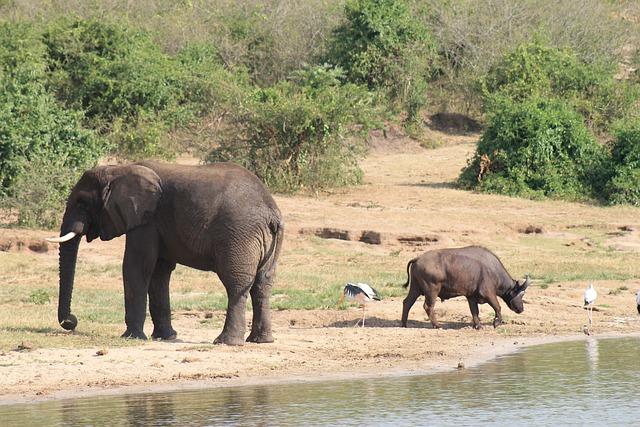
column 473, row 272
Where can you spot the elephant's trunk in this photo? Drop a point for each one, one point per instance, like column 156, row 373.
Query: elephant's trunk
column 68, row 256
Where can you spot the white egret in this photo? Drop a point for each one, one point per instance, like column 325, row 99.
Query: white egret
column 590, row 296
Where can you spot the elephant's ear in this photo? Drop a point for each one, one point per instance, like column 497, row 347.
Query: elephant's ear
column 129, row 200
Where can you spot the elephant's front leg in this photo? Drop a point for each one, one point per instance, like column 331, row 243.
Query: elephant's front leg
column 159, row 302
column 140, row 256
column 261, row 324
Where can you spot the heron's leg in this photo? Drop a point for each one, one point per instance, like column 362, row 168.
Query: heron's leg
column 363, row 309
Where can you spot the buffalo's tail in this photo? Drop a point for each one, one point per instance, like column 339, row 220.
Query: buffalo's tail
column 413, row 261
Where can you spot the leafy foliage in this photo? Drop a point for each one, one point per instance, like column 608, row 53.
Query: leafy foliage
column 384, row 46
column 128, row 88
column 624, row 186
column 537, row 69
column 32, row 125
column 537, row 147
column 294, row 134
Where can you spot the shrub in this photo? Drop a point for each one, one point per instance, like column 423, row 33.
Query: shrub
column 536, row 69
column 534, row 148
column 624, row 186
column 128, row 88
column 33, row 126
column 294, row 134
column 108, row 70
column 384, row 46
column 473, row 35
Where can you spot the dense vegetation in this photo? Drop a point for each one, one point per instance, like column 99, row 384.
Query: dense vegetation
column 544, row 108
column 287, row 88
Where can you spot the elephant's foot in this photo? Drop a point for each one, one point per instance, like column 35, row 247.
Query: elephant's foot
column 261, row 338
column 228, row 339
column 165, row 334
column 131, row 333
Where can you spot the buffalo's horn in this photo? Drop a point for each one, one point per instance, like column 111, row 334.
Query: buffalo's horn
column 70, row 235
column 526, row 282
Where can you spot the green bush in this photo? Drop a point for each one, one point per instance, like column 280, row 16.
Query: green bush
column 108, row 70
column 624, row 186
column 294, row 134
column 32, row 125
column 538, row 147
column 385, row 46
column 128, row 88
column 537, row 69
column 474, row 35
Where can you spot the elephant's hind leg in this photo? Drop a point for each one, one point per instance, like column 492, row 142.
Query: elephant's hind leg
column 237, row 284
column 159, row 302
column 260, row 296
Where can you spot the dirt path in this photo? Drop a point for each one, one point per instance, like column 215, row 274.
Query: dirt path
column 407, row 205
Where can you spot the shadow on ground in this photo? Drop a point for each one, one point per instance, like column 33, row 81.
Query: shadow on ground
column 436, row 185
column 377, row 322
column 454, row 123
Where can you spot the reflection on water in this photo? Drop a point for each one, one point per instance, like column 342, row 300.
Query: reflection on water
column 583, row 382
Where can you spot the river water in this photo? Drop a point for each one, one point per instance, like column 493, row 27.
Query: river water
column 592, row 382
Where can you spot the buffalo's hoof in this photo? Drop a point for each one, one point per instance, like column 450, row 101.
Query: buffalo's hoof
column 134, row 334
column 229, row 340
column 260, row 338
column 164, row 334
column 497, row 323
column 477, row 326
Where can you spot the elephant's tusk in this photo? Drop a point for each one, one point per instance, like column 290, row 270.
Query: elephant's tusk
column 70, row 235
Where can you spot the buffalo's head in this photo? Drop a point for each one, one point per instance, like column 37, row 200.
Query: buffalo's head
column 513, row 298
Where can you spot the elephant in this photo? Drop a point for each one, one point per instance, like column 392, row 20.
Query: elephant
column 217, row 217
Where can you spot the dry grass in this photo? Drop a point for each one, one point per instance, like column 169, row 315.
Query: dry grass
column 408, row 193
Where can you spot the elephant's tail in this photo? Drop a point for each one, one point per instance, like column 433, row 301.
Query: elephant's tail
column 409, row 264
column 268, row 263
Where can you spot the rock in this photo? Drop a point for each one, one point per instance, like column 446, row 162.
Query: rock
column 38, row 246
column 208, row 315
column 102, row 352
column 532, row 229
column 461, row 364
column 371, row 237
column 25, row 346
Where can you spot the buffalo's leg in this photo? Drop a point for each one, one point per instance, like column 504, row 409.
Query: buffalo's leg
column 475, row 312
column 430, row 298
column 159, row 302
column 493, row 302
column 408, row 302
column 140, row 257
